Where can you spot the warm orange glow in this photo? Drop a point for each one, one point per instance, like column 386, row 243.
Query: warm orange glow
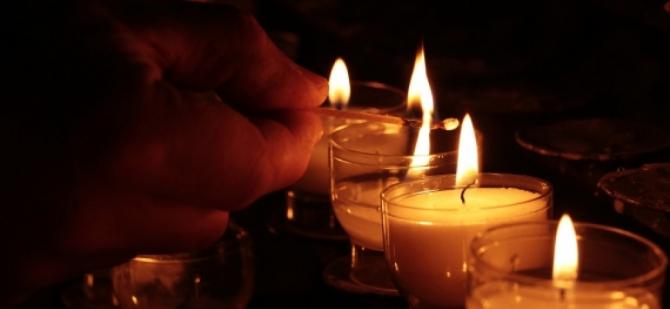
column 290, row 214
column 467, row 167
column 419, row 93
column 89, row 279
column 340, row 90
column 566, row 255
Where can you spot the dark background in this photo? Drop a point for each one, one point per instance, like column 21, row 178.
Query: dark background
column 512, row 64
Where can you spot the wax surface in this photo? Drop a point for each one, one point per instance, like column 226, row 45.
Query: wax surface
column 384, row 140
column 450, row 200
column 499, row 295
column 316, row 178
column 428, row 243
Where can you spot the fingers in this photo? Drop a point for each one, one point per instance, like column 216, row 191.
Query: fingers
column 190, row 149
column 112, row 222
column 285, row 159
column 206, row 47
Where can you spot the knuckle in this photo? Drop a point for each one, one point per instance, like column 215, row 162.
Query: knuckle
column 249, row 30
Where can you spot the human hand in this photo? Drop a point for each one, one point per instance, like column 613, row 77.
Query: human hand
column 127, row 149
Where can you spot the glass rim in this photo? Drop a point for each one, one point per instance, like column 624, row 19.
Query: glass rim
column 377, row 86
column 542, row 195
column 223, row 244
column 637, row 280
column 340, row 147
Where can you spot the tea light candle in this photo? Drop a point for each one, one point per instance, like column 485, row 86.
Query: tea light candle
column 431, row 220
column 641, row 194
column 366, row 158
column 308, row 210
column 368, row 97
column 491, row 297
column 608, row 268
column 425, row 220
column 219, row 276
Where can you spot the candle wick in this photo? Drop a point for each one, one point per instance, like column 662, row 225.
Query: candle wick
column 465, row 189
column 562, row 294
column 413, row 123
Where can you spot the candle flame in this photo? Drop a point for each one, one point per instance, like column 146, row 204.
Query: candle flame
column 340, row 90
column 566, row 255
column 419, row 93
column 467, row 167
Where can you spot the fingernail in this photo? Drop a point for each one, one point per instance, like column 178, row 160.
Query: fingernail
column 318, row 80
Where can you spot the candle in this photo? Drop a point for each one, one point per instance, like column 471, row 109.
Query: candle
column 583, row 150
column 425, row 220
column 431, row 220
column 592, row 267
column 367, row 97
column 220, row 276
column 500, row 295
column 308, row 212
column 641, row 194
column 366, row 158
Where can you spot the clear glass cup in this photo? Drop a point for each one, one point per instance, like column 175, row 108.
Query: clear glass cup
column 308, row 211
column 365, row 159
column 429, row 223
column 510, row 267
column 220, row 276
column 93, row 291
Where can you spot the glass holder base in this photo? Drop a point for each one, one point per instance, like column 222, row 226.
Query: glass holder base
column 311, row 216
column 338, row 275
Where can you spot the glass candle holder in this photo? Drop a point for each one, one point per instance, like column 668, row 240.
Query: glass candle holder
column 220, row 276
column 365, row 159
column 580, row 151
column 642, row 195
column 510, row 267
column 94, row 290
column 308, row 212
column 428, row 224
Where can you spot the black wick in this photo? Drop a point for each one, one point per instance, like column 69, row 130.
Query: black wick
column 465, row 189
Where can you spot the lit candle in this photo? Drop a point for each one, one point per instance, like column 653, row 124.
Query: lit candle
column 369, row 97
column 308, row 210
column 617, row 269
column 429, row 222
column 366, row 158
column 315, row 179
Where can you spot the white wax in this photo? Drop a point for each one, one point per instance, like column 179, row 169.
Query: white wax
column 428, row 243
column 503, row 295
column 357, row 208
column 316, row 179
